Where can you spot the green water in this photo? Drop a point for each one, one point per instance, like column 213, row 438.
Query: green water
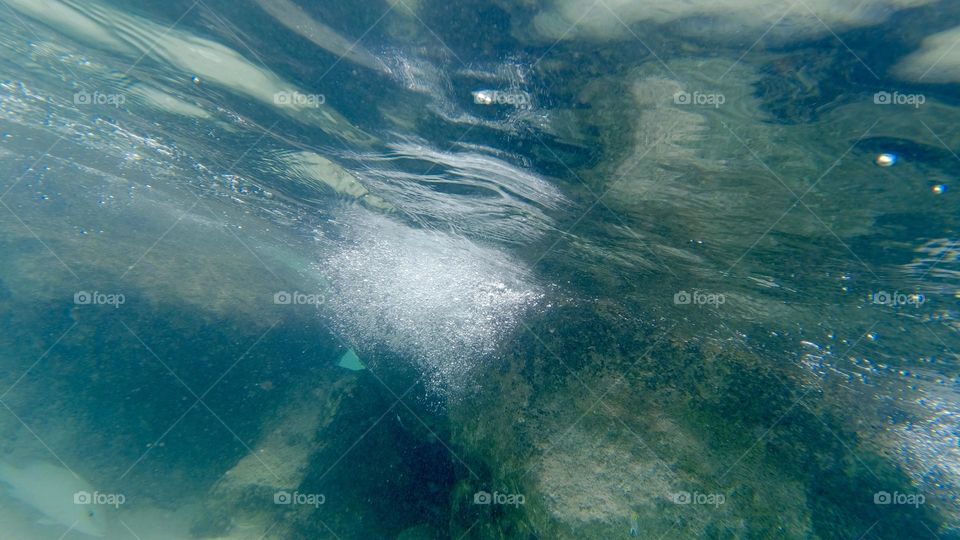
column 681, row 268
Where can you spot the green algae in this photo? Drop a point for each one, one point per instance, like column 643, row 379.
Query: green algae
column 686, row 417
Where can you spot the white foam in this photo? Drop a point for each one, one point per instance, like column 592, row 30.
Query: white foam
column 433, row 298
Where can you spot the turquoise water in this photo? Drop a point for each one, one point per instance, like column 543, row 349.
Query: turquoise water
column 542, row 269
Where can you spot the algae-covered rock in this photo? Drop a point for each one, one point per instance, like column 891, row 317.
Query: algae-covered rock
column 253, row 492
column 677, row 439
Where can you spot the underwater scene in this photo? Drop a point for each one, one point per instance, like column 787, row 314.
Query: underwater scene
column 482, row 269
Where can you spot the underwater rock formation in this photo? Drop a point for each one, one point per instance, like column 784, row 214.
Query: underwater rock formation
column 253, row 494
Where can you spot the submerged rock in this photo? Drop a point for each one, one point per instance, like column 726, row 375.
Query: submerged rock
column 253, row 493
column 688, row 441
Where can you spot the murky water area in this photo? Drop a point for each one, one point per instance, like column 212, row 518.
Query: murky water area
column 279, row 269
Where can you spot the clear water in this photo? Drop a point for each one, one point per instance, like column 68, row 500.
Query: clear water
column 616, row 269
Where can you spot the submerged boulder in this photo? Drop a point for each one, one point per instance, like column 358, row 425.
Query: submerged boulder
column 253, row 494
